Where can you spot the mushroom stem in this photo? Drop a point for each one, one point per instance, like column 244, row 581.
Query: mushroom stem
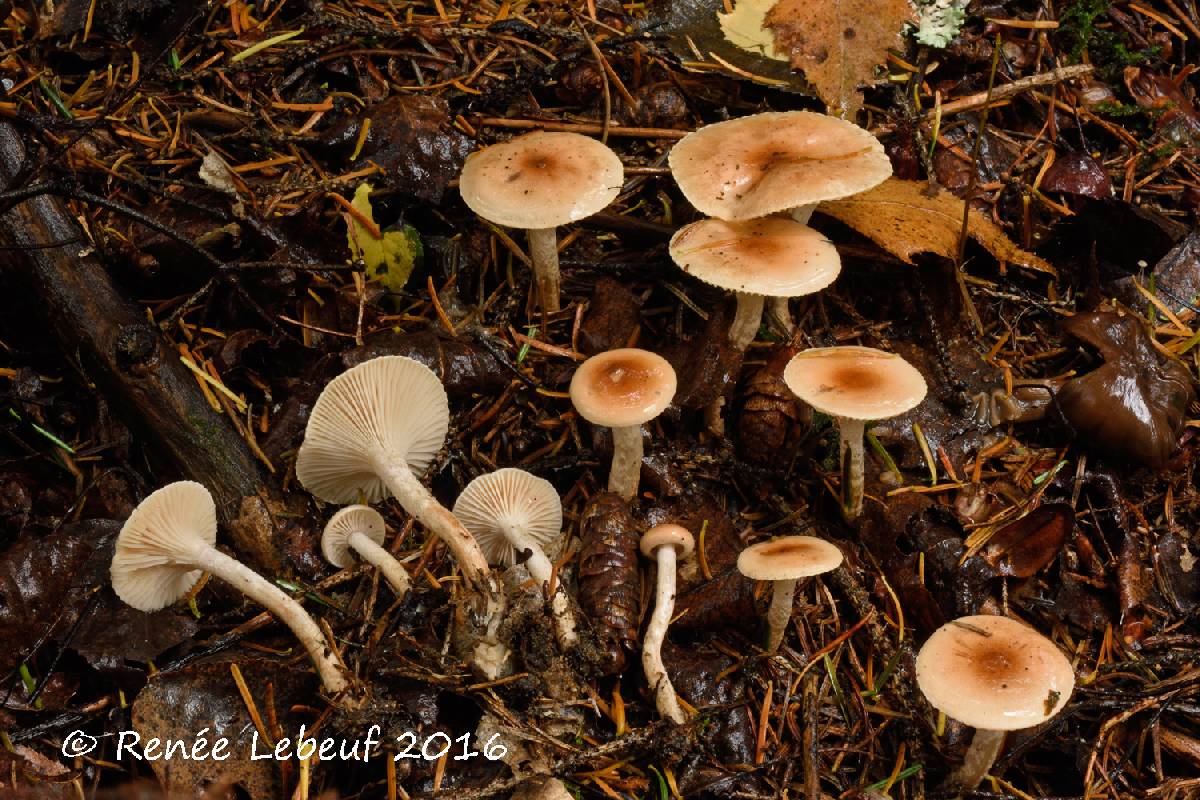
column 780, row 612
column 380, row 558
column 747, row 320
column 852, row 432
column 781, row 313
column 664, row 606
column 424, row 507
column 626, row 471
column 984, row 750
column 283, row 607
column 542, row 570
column 803, row 214
column 543, row 251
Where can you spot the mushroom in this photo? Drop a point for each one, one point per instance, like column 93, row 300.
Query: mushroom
column 996, row 675
column 358, row 531
column 784, row 561
column 776, row 161
column 854, row 385
column 663, row 543
column 514, row 515
column 169, row 541
column 537, row 182
column 372, row 431
column 622, row 389
column 772, row 256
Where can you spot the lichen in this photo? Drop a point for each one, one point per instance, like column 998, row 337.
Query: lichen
column 939, row 21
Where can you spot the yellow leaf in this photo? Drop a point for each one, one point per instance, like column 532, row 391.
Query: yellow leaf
column 899, row 217
column 744, row 28
column 390, row 259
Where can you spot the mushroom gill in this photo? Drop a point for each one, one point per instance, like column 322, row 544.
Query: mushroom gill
column 1133, row 406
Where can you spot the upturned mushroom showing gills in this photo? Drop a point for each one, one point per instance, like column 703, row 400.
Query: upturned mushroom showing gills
column 996, row 675
column 854, row 385
column 537, row 182
column 621, row 389
column 169, row 541
column 784, row 562
column 358, row 531
column 665, row 544
column 514, row 515
column 372, row 431
column 776, row 161
column 768, row 257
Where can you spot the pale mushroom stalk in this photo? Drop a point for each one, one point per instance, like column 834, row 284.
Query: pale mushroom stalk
column 852, row 433
column 660, row 543
column 283, row 607
column 778, row 307
column 981, row 755
column 543, row 252
column 780, row 612
column 424, row 507
column 542, row 571
column 747, row 319
column 626, row 471
column 378, row 557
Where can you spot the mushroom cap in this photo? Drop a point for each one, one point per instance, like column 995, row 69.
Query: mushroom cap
column 541, row 180
column 757, row 165
column 624, row 387
column 772, row 256
column 335, row 540
column 994, row 673
column 788, row 558
column 854, row 382
column 383, row 409
column 152, row 564
column 668, row 533
column 509, row 498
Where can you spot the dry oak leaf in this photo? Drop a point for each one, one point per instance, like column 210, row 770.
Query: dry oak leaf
column 838, row 43
column 899, row 217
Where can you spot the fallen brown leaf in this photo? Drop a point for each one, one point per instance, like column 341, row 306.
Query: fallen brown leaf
column 899, row 217
column 838, row 44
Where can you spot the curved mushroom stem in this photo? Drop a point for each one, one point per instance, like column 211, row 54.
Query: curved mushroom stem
column 424, row 507
column 803, row 214
column 852, row 432
column 543, row 251
column 542, row 570
column 780, row 612
column 385, row 562
column 626, row 471
column 984, row 750
column 664, row 606
column 283, row 607
column 781, row 313
column 747, row 320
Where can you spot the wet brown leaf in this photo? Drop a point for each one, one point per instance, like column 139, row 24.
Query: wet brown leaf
column 1023, row 548
column 899, row 217
column 838, row 44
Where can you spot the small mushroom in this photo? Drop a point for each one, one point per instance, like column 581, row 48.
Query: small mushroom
column 514, row 515
column 169, row 541
column 784, row 561
column 371, row 432
column 854, row 385
column 996, row 675
column 358, row 531
column 1134, row 406
column 537, row 182
column 776, row 161
column 663, row 543
column 621, row 389
column 772, row 256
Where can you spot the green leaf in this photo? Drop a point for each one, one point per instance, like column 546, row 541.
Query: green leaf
column 389, row 260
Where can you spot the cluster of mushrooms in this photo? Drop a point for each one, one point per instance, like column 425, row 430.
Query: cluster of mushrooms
column 375, row 428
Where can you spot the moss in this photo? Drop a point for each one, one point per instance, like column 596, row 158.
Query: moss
column 1081, row 28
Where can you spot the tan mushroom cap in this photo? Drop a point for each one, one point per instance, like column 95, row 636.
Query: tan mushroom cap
column 386, row 408
column 151, row 566
column 854, row 382
column 787, row 558
column 541, row 180
column 772, row 256
column 335, row 540
column 994, row 673
column 514, row 498
column 668, row 533
column 622, row 387
column 758, row 165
